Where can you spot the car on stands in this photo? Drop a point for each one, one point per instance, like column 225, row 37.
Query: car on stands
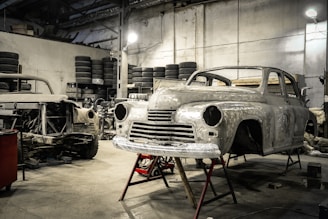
column 50, row 124
column 232, row 109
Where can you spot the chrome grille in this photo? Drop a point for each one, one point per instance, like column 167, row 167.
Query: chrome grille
column 160, row 115
column 162, row 132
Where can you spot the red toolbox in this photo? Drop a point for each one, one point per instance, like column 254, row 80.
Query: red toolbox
column 8, row 158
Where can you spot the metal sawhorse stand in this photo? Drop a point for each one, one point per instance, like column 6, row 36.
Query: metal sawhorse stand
column 208, row 181
column 290, row 161
column 149, row 177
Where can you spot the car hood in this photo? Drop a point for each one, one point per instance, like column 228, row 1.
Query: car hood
column 172, row 98
column 28, row 97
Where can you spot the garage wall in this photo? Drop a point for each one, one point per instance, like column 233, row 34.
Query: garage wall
column 247, row 32
column 52, row 60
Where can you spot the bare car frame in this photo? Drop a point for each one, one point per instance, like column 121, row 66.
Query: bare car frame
column 240, row 110
column 49, row 124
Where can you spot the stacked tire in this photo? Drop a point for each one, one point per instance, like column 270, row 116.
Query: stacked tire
column 97, row 72
column 159, row 72
column 147, row 77
column 83, row 72
column 9, row 62
column 130, row 73
column 171, row 71
column 115, row 74
column 108, row 65
column 142, row 77
column 186, row 69
column 137, row 76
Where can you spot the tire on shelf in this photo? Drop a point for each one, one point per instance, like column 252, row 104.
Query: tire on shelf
column 84, row 80
column 83, row 68
column 158, row 74
column 146, row 69
column 83, row 74
column 188, row 65
column 82, row 58
column 97, row 71
column 97, row 67
column 171, row 67
column 137, row 74
column 147, row 79
column 11, row 55
column 172, row 73
column 97, row 76
column 186, row 70
column 137, row 79
column 82, row 63
column 9, row 61
column 6, row 68
column 146, row 74
column 159, row 69
column 171, row 77
column 137, row 69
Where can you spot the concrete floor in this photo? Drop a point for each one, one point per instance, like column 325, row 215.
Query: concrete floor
column 92, row 188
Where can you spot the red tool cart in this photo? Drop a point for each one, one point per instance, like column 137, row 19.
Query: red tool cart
column 8, row 158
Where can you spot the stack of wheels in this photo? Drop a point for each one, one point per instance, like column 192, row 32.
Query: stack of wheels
column 108, row 65
column 147, row 77
column 130, row 75
column 159, row 72
column 171, row 71
column 73, row 92
column 9, row 62
column 97, row 72
column 186, row 69
column 115, row 74
column 83, row 70
column 137, row 76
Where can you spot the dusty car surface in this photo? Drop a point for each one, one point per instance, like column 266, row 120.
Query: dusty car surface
column 50, row 124
column 240, row 110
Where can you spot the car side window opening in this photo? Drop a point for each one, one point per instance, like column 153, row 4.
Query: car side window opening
column 274, row 84
column 290, row 88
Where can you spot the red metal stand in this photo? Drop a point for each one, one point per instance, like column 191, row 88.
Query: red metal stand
column 209, row 174
column 149, row 176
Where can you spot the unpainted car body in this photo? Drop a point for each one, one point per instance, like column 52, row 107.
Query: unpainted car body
column 240, row 110
column 50, row 124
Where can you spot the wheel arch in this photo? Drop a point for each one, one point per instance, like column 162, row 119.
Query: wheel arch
column 248, row 138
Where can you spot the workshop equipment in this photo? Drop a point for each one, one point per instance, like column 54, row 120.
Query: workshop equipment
column 146, row 161
column 8, row 158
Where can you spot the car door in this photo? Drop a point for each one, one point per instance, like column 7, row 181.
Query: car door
column 282, row 115
column 300, row 112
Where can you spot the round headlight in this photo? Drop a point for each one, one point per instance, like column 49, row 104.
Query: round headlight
column 120, row 111
column 212, row 115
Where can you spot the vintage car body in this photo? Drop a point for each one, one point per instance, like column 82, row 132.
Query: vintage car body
column 256, row 110
column 49, row 124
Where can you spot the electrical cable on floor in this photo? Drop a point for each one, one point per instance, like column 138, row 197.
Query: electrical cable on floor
column 265, row 209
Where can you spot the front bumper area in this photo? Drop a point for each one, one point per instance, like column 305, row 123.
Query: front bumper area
column 192, row 150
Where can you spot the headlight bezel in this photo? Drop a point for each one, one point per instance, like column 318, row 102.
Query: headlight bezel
column 212, row 116
column 121, row 112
